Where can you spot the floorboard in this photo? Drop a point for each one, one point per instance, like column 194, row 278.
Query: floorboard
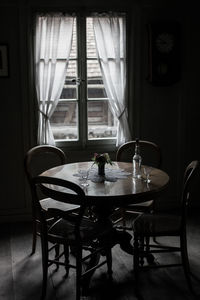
column 21, row 274
column 6, row 275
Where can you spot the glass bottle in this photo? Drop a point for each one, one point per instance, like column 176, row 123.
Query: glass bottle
column 137, row 160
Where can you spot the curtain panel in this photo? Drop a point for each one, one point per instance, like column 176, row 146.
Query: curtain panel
column 53, row 41
column 110, row 37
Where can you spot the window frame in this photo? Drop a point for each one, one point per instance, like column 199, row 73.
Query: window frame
column 83, row 142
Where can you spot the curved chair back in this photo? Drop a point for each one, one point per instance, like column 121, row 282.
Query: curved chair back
column 37, row 160
column 188, row 181
column 57, row 189
column 149, row 151
column 41, row 158
column 60, row 190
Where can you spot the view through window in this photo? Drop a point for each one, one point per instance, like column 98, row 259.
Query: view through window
column 83, row 99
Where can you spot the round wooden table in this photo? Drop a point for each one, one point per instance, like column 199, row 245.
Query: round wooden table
column 106, row 195
column 121, row 192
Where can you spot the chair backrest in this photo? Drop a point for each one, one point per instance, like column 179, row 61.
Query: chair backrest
column 188, row 180
column 60, row 190
column 41, row 158
column 149, row 151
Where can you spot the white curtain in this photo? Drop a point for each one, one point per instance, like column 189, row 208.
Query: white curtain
column 110, row 36
column 53, row 40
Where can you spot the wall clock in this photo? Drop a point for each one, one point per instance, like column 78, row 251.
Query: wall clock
column 164, row 53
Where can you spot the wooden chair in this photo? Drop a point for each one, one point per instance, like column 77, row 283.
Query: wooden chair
column 37, row 160
column 74, row 231
column 151, row 156
column 165, row 225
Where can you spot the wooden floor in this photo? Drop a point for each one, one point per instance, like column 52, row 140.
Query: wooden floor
column 20, row 273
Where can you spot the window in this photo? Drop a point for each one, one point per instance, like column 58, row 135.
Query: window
column 83, row 91
column 77, row 107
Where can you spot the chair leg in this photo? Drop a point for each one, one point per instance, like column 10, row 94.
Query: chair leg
column 44, row 245
column 155, row 240
column 152, row 212
column 141, row 250
column 124, row 218
column 109, row 262
column 57, row 252
column 185, row 261
column 78, row 272
column 147, row 238
column 149, row 257
column 34, row 237
column 66, row 254
column 136, row 262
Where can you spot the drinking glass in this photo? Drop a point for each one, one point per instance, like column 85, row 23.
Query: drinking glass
column 147, row 173
column 84, row 177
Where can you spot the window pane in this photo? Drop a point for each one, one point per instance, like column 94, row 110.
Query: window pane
column 101, row 123
column 91, row 48
column 95, row 86
column 73, row 53
column 64, row 121
column 70, row 88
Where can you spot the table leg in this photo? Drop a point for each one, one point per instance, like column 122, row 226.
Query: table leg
column 121, row 237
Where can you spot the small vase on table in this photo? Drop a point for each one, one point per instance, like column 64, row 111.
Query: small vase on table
column 101, row 169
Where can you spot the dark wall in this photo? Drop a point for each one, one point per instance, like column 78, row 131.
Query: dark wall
column 168, row 116
column 11, row 121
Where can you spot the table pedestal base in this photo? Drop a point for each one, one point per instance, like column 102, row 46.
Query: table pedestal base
column 122, row 238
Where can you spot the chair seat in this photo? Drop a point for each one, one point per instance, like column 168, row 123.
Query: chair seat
column 140, row 206
column 51, row 203
column 157, row 225
column 63, row 231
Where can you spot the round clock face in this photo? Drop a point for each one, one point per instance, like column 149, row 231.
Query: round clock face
column 165, row 42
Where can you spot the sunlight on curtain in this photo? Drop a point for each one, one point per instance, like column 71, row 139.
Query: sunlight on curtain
column 110, row 37
column 53, row 40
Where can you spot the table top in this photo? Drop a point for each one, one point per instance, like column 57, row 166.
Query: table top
column 123, row 191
